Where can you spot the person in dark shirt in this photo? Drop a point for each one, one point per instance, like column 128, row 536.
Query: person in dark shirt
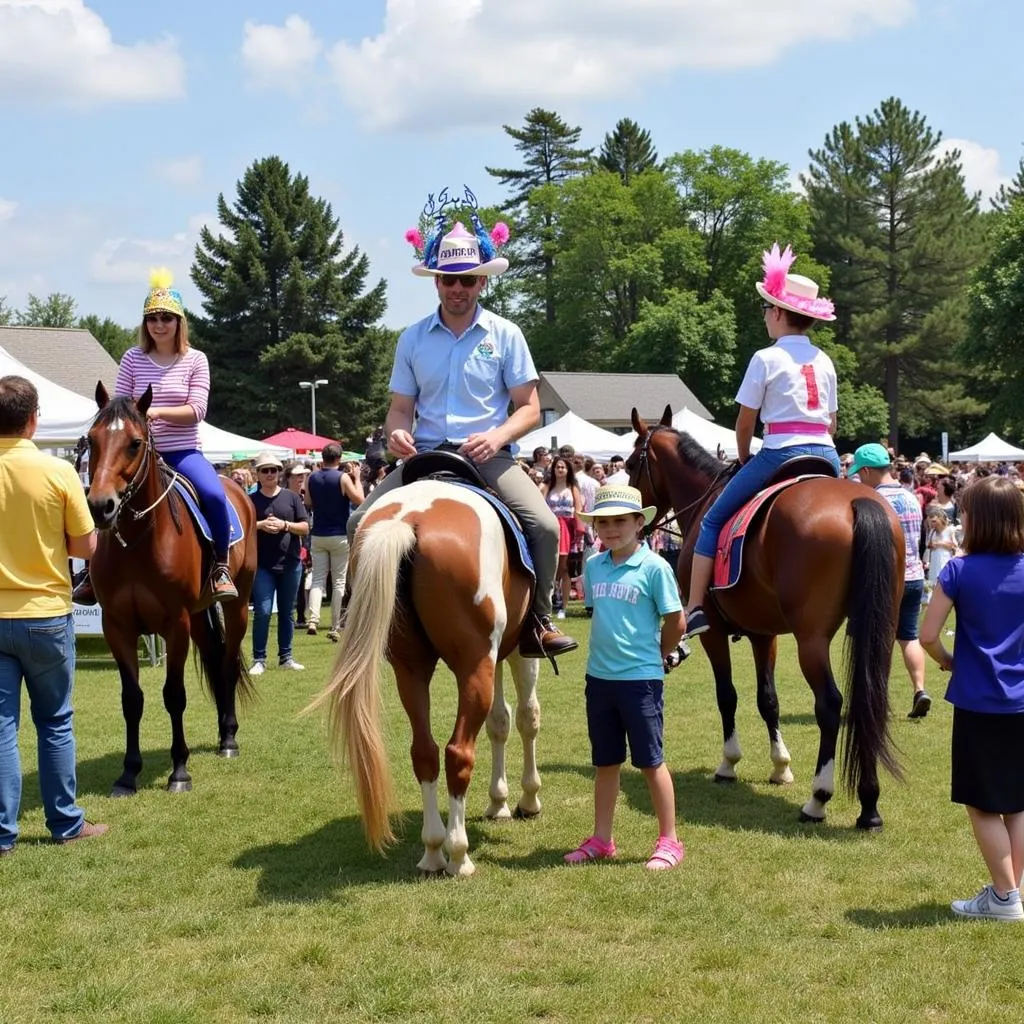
column 281, row 522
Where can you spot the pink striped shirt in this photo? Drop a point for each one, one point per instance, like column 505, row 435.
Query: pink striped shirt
column 185, row 382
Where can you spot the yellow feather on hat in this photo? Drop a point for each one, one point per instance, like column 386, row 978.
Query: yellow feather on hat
column 160, row 277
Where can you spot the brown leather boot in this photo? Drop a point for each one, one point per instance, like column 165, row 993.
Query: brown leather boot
column 543, row 639
column 222, row 584
column 82, row 592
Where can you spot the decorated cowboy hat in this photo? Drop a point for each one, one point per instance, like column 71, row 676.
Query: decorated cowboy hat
column 619, row 500
column 792, row 292
column 162, row 298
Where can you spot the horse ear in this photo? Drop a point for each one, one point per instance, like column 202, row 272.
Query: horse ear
column 146, row 400
column 638, row 424
column 666, row 416
column 101, row 395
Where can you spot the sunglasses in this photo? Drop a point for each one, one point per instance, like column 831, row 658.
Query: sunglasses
column 466, row 280
column 765, row 306
column 162, row 318
column 268, row 469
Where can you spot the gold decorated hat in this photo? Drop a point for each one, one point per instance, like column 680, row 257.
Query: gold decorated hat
column 619, row 500
column 162, row 298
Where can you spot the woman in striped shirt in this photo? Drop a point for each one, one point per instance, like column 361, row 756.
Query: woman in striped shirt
column 180, row 378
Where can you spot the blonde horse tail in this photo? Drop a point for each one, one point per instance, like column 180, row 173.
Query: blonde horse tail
column 353, row 691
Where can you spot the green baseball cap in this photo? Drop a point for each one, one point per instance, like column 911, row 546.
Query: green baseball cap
column 869, row 456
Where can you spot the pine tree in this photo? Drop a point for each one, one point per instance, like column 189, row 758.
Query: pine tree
column 1009, row 194
column 283, row 302
column 627, row 151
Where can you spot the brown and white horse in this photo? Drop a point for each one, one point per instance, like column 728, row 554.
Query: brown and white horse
column 432, row 580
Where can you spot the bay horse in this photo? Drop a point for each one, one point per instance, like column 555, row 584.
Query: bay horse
column 149, row 576
column 432, row 580
column 825, row 551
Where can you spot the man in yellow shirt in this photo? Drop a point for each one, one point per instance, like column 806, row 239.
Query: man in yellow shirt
column 45, row 521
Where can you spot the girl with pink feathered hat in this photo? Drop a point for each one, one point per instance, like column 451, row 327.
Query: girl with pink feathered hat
column 792, row 386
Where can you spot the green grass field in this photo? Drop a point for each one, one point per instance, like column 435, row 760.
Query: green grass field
column 255, row 898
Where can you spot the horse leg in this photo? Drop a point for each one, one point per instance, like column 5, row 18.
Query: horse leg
column 476, row 693
column 126, row 654
column 765, row 648
column 524, row 672
column 813, row 655
column 716, row 646
column 499, row 724
column 179, row 780
column 413, row 677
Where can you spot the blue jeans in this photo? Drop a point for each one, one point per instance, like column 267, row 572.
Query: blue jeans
column 286, row 586
column 42, row 652
column 753, row 475
column 204, row 478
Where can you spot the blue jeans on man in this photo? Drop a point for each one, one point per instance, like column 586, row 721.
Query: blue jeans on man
column 42, row 652
column 285, row 586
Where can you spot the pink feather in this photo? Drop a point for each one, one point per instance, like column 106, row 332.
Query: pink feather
column 414, row 238
column 776, row 266
column 499, row 233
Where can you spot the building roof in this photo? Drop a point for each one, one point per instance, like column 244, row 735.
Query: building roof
column 611, row 396
column 67, row 356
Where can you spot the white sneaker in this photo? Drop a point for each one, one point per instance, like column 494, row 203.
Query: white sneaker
column 988, row 905
column 560, row 614
column 257, row 668
column 291, row 665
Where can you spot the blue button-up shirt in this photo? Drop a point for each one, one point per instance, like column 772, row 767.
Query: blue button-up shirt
column 461, row 385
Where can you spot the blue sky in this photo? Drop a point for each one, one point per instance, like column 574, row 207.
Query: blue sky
column 124, row 120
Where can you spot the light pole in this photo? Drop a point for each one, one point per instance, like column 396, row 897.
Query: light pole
column 312, row 385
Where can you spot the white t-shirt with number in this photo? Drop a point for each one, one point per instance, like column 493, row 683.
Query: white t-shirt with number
column 793, row 381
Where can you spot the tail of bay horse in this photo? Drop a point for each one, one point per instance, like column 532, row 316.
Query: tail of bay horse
column 825, row 551
column 150, row 578
column 432, row 581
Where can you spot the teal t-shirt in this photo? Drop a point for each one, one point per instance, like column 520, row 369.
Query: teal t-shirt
column 629, row 601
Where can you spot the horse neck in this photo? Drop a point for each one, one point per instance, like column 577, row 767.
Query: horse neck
column 689, row 488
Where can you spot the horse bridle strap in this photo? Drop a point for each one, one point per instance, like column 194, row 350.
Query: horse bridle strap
column 134, row 484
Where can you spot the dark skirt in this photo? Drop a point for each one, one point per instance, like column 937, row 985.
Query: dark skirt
column 988, row 761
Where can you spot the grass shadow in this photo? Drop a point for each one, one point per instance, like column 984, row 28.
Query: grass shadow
column 924, row 915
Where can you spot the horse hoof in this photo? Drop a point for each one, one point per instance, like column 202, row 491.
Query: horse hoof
column 521, row 815
column 118, row 791
column 809, row 819
column 179, row 786
column 873, row 824
column 723, row 778
column 228, row 752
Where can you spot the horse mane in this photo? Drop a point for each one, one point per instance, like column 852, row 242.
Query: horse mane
column 701, row 460
column 121, row 408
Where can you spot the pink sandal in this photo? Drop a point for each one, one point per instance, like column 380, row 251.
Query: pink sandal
column 668, row 853
column 591, row 849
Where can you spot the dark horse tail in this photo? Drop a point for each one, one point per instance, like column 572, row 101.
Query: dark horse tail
column 871, row 632
column 209, row 649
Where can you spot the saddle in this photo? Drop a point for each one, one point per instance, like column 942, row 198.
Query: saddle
column 457, row 470
column 729, row 553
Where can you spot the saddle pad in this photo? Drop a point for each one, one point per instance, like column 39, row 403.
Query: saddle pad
column 513, row 531
column 185, row 493
column 729, row 556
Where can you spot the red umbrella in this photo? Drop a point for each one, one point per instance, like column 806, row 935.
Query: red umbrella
column 300, row 441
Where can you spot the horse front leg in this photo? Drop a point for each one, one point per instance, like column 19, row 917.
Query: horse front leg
column 499, row 725
column 179, row 781
column 765, row 648
column 716, row 645
column 126, row 653
column 828, row 705
column 525, row 672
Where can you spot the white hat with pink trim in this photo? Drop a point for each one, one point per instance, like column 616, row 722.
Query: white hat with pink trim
column 793, row 292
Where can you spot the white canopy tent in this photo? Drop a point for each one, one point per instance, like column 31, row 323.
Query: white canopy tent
column 63, row 415
column 222, row 446
column 710, row 435
column 583, row 436
column 988, row 449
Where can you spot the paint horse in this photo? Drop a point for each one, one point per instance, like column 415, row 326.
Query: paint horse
column 433, row 580
column 150, row 573
column 825, row 550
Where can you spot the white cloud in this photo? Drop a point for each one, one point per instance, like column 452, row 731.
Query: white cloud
column 280, row 56
column 499, row 57
column 7, row 208
column 982, row 166
column 183, row 172
column 62, row 51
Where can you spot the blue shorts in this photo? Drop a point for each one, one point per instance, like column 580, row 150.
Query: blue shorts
column 910, row 610
column 621, row 709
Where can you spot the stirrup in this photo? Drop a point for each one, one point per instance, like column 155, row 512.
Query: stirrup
column 221, row 583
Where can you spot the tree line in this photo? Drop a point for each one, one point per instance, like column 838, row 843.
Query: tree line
column 626, row 261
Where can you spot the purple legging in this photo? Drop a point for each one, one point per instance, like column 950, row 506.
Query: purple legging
column 193, row 465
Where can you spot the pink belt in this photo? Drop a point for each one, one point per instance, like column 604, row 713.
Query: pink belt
column 796, row 427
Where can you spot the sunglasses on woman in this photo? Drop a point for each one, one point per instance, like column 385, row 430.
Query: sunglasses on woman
column 160, row 318
column 466, row 280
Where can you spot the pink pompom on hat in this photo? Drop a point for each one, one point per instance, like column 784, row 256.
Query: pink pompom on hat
column 792, row 292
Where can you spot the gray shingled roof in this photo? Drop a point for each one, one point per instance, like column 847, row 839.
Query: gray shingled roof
column 70, row 357
column 611, row 396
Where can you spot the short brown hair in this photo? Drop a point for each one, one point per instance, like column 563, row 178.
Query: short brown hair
column 147, row 344
column 331, row 453
column 798, row 321
column 993, row 516
column 18, row 400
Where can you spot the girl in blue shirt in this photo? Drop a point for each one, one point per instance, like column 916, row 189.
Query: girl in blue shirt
column 986, row 587
column 638, row 620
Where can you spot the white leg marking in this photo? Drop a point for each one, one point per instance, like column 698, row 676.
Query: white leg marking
column 731, row 755
column 499, row 724
column 433, row 859
column 525, row 672
column 823, row 782
column 782, row 776
column 459, row 863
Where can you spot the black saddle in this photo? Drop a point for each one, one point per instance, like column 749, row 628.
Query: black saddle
column 440, row 463
column 803, row 465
